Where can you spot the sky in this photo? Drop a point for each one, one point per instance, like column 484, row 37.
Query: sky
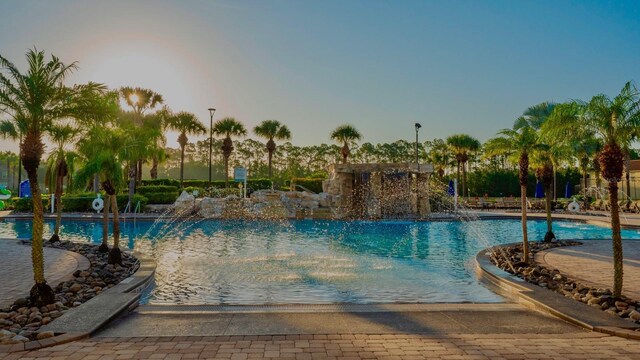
column 381, row 65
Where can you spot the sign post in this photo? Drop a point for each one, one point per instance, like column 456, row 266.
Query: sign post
column 240, row 175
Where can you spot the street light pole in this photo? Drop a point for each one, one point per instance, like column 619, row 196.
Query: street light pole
column 418, row 126
column 211, row 112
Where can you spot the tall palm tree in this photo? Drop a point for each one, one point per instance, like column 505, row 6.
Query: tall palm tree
column 462, row 146
column 58, row 169
column 185, row 123
column 106, row 147
column 439, row 155
column 519, row 141
column 345, row 134
column 140, row 100
column 272, row 130
column 615, row 121
column 35, row 101
column 228, row 127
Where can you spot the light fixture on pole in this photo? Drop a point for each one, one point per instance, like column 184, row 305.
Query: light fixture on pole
column 211, row 112
column 418, row 126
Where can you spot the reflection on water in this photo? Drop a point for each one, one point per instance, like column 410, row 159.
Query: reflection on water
column 258, row 262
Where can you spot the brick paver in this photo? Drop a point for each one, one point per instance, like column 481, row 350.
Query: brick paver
column 592, row 264
column 16, row 273
column 342, row 347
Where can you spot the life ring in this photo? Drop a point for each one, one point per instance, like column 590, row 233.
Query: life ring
column 98, row 204
column 573, row 206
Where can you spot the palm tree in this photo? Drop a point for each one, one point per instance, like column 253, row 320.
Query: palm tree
column 439, row 155
column 615, row 121
column 228, row 127
column 35, row 101
column 519, row 141
column 140, row 100
column 185, row 123
column 58, row 169
column 345, row 134
column 106, row 146
column 462, row 146
column 272, row 130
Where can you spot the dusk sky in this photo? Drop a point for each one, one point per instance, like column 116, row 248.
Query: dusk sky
column 454, row 66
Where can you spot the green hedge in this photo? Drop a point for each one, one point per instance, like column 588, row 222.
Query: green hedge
column 313, row 184
column 162, row 197
column 151, row 189
column 26, row 204
column 255, row 184
column 167, row 182
column 201, row 191
column 82, row 202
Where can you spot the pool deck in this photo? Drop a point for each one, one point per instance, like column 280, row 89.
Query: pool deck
column 16, row 273
column 435, row 331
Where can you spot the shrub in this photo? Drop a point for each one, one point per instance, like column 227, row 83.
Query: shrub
column 255, row 184
column 313, row 184
column 167, row 182
column 26, row 204
column 162, row 197
column 78, row 202
column 201, row 191
column 151, row 189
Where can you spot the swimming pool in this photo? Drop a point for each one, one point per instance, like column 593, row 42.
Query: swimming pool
column 315, row 262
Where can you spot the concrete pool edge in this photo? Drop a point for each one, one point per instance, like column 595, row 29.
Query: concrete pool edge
column 83, row 321
column 549, row 302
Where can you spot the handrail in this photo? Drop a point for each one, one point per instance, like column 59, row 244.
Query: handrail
column 304, row 188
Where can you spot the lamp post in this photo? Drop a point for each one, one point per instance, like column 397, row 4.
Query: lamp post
column 211, row 112
column 418, row 126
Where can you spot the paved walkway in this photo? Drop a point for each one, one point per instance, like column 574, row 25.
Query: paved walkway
column 346, row 347
column 592, row 264
column 16, row 273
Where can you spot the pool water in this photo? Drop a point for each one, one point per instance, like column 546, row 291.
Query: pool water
column 316, row 262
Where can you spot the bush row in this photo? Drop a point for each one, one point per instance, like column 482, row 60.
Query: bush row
column 255, row 184
column 77, row 202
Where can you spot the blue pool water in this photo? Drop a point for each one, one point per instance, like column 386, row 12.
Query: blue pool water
column 249, row 262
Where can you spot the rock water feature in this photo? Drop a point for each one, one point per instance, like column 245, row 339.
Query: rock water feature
column 263, row 204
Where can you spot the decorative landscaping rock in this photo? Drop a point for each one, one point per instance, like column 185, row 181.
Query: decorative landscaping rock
column 184, row 202
column 509, row 259
column 23, row 321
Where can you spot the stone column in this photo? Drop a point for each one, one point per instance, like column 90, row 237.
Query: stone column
column 424, row 208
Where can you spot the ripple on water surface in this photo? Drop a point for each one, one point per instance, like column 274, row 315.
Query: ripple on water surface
column 314, row 262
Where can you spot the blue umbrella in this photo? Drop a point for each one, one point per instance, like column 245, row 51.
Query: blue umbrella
column 452, row 191
column 539, row 190
column 567, row 190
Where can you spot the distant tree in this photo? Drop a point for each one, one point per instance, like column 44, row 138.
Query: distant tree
column 272, row 130
column 462, row 145
column 346, row 134
column 185, row 123
column 228, row 127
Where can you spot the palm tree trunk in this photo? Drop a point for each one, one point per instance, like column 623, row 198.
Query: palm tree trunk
column 547, row 197
column 270, row 159
column 627, row 172
column 464, row 180
column 226, row 171
column 617, row 240
column 525, row 239
column 104, row 247
column 458, row 177
column 115, row 255
column 58, row 205
column 555, row 185
column 31, row 152
column 181, row 166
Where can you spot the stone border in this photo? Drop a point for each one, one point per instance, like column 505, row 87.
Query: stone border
column 550, row 302
column 80, row 322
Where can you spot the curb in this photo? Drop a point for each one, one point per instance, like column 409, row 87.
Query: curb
column 73, row 325
column 547, row 301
